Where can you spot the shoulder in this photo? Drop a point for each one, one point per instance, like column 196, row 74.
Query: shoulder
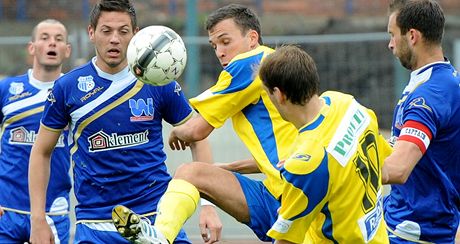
column 82, row 73
column 308, row 157
column 248, row 59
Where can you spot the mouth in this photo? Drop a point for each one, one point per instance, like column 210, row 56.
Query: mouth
column 113, row 52
column 51, row 53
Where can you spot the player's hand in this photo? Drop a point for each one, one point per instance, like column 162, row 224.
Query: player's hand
column 1, row 211
column 175, row 143
column 40, row 232
column 210, row 224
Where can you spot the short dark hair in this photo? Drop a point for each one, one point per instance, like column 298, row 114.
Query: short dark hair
column 293, row 71
column 425, row 16
column 124, row 6
column 244, row 17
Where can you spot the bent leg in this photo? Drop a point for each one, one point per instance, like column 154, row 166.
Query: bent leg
column 221, row 187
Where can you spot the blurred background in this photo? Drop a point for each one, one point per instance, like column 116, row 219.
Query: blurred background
column 347, row 38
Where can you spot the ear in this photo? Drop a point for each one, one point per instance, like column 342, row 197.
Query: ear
column 30, row 48
column 414, row 36
column 279, row 96
column 68, row 50
column 91, row 33
column 253, row 38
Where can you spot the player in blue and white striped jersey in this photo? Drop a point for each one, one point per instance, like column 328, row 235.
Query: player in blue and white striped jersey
column 116, row 126
column 22, row 100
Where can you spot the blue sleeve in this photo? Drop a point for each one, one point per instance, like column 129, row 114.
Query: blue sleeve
column 55, row 115
column 176, row 108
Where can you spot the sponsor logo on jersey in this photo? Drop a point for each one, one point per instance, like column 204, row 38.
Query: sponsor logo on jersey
column 19, row 96
column 16, row 88
column 91, row 93
column 369, row 223
column 345, row 141
column 302, row 157
column 22, row 136
column 102, row 141
column 419, row 102
column 85, row 83
column 141, row 110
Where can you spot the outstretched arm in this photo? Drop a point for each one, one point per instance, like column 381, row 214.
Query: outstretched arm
column 39, row 173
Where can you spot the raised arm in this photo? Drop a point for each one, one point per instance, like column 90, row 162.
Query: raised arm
column 39, row 173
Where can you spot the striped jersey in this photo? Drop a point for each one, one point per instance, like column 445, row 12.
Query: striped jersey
column 239, row 95
column 332, row 181
column 427, row 206
column 116, row 145
column 22, row 103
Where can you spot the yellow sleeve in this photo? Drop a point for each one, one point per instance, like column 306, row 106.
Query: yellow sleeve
column 236, row 88
column 305, row 189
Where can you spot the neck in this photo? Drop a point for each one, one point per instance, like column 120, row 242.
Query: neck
column 304, row 114
column 46, row 74
column 428, row 56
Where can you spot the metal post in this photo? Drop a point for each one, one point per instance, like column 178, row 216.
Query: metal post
column 192, row 75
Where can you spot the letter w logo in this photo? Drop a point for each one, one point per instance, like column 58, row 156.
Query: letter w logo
column 139, row 107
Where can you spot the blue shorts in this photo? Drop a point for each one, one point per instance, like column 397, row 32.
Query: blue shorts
column 15, row 228
column 263, row 206
column 106, row 233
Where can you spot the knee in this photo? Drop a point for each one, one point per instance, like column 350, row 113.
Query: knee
column 191, row 172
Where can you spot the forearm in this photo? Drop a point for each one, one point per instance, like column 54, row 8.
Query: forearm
column 245, row 166
column 398, row 166
column 195, row 129
column 201, row 151
column 39, row 172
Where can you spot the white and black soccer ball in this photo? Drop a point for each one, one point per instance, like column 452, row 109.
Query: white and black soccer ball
column 156, row 55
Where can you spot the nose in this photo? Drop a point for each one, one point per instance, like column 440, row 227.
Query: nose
column 115, row 38
column 391, row 44
column 220, row 52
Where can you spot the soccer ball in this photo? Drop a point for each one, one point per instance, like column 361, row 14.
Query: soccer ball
column 156, row 55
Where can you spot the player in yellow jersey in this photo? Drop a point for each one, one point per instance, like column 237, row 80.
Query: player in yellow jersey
column 332, row 189
column 234, row 33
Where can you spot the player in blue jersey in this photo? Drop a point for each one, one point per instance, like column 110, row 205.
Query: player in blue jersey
column 22, row 103
column 332, row 191
column 234, row 33
column 424, row 169
column 116, row 126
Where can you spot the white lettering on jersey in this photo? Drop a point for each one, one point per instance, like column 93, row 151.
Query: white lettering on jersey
column 345, row 141
column 369, row 223
column 101, row 141
column 21, row 136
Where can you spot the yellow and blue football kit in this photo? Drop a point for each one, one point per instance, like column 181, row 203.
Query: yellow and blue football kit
column 332, row 189
column 239, row 95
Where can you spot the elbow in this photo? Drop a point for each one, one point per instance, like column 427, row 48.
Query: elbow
column 199, row 136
